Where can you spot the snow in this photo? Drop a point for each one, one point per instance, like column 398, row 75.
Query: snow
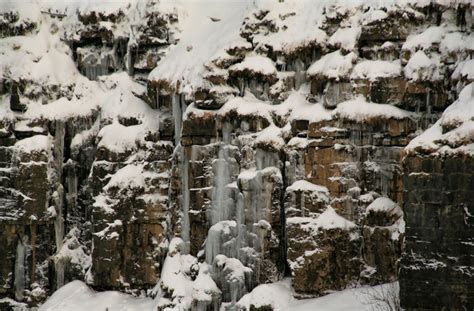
column 290, row 38
column 333, row 65
column 375, row 69
column 119, row 100
column 298, row 108
column 345, row 38
column 36, row 57
column 247, row 106
column 73, row 250
column 303, row 185
column 77, row 296
column 273, row 136
column 129, row 176
column 204, row 287
column 255, row 64
column 118, row 138
column 359, row 110
column 279, row 295
column 422, row 68
column 464, row 70
column 329, row 219
column 424, row 40
column 456, row 42
column 201, row 39
column 458, row 119
column 236, row 271
column 383, row 204
column 36, row 143
column 372, row 16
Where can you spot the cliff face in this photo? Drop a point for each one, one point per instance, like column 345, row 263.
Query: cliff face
column 190, row 152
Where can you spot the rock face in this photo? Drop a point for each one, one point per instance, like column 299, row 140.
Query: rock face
column 438, row 208
column 191, row 156
column 438, row 204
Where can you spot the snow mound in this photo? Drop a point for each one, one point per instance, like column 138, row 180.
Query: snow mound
column 329, row 219
column 255, row 64
column 345, row 38
column 279, row 296
column 359, row 110
column 464, row 70
column 37, row 143
column 384, row 205
column 422, row 68
column 425, row 39
column 129, row 176
column 333, row 65
column 303, row 185
column 376, row 69
column 118, row 138
column 77, row 296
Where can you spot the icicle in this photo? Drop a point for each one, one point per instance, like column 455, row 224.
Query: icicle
column 299, row 73
column 129, row 60
column 241, row 86
column 221, row 203
column 428, row 108
column 20, row 268
column 177, row 115
column 185, row 229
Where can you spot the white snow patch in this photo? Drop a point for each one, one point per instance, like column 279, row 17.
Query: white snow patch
column 375, row 69
column 200, row 40
column 345, row 38
column 257, row 64
column 77, row 296
column 360, row 110
column 422, row 68
column 464, row 70
column 333, row 65
column 384, row 205
column 329, row 219
column 304, row 185
column 279, row 296
column 37, row 143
